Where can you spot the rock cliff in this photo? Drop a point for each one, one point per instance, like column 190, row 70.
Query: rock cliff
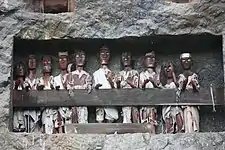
column 105, row 19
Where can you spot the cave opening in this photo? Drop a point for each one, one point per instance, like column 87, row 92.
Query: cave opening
column 206, row 51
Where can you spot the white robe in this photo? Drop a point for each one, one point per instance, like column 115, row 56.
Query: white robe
column 82, row 112
column 18, row 117
column 123, row 75
column 48, row 114
column 34, row 114
column 171, row 111
column 191, row 114
column 65, row 112
column 111, row 113
column 145, row 75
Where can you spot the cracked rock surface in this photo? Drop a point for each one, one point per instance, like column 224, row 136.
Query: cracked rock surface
column 201, row 141
column 105, row 19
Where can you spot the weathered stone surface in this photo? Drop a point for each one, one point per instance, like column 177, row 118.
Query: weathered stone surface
column 105, row 19
column 201, row 141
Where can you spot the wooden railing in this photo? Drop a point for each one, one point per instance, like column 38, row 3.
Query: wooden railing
column 116, row 97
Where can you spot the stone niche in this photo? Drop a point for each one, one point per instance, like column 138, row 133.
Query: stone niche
column 206, row 50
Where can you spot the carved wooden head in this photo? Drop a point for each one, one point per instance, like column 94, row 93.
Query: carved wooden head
column 20, row 70
column 126, row 59
column 63, row 60
column 149, row 61
column 46, row 64
column 186, row 61
column 168, row 69
column 80, row 58
column 32, row 64
column 104, row 55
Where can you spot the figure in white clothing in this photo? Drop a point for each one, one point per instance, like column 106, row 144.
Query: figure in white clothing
column 19, row 84
column 149, row 79
column 80, row 79
column 188, row 80
column 46, row 82
column 32, row 116
column 104, row 79
column 172, row 115
column 64, row 113
column 128, row 78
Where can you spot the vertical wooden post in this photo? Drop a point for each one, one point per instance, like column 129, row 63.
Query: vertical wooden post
column 71, row 5
column 42, row 2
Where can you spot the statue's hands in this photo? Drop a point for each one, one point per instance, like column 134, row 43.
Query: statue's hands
column 144, row 84
column 17, row 83
column 40, row 87
column 89, row 90
column 110, row 75
column 52, row 87
column 129, row 80
column 71, row 93
column 98, row 85
column 57, row 87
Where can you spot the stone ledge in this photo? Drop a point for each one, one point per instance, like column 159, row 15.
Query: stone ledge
column 138, row 141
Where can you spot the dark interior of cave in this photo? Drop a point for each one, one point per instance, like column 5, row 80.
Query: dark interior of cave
column 206, row 51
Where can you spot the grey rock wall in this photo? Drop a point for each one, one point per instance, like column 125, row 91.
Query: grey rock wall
column 105, row 19
column 201, row 141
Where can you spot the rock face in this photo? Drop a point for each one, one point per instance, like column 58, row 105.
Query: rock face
column 105, row 19
column 201, row 141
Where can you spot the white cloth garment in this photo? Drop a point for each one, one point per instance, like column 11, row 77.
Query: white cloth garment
column 191, row 114
column 33, row 114
column 18, row 117
column 110, row 112
column 123, row 76
column 84, row 81
column 171, row 111
column 65, row 112
column 145, row 112
column 48, row 114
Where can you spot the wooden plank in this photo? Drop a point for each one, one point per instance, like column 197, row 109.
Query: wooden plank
column 113, row 97
column 203, row 97
column 107, row 128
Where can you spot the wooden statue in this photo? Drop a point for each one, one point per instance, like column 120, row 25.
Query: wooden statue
column 79, row 79
column 46, row 82
column 188, row 80
column 64, row 113
column 19, row 84
column 128, row 78
column 149, row 79
column 104, row 79
column 172, row 115
column 32, row 116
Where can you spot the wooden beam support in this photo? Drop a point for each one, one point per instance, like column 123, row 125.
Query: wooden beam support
column 107, row 128
column 112, row 97
column 115, row 97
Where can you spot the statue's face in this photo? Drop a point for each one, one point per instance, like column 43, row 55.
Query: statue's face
column 104, row 56
column 63, row 62
column 149, row 61
column 20, row 70
column 186, row 62
column 80, row 59
column 46, row 64
column 32, row 62
column 126, row 59
column 168, row 68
